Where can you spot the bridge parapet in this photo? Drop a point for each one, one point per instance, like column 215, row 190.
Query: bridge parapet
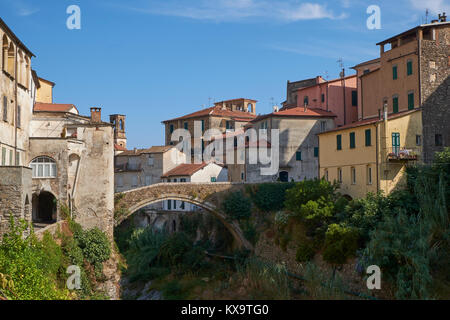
column 206, row 195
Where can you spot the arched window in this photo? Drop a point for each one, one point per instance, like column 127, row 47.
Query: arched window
column 43, row 167
column 11, row 57
column 5, row 53
column 121, row 124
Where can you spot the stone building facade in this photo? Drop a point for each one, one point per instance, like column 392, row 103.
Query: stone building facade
column 17, row 94
column 298, row 143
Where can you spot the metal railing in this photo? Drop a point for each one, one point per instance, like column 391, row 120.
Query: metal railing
column 403, row 153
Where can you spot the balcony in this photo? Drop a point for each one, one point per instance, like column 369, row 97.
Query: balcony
column 402, row 154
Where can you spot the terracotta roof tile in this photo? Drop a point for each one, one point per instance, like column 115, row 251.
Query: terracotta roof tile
column 219, row 112
column 297, row 112
column 186, row 169
column 119, row 148
column 53, row 107
column 138, row 152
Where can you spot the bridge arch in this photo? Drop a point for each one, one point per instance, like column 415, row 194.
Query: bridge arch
column 204, row 195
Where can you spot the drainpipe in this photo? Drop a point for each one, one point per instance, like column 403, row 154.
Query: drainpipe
column 15, row 106
column 343, row 88
column 377, row 155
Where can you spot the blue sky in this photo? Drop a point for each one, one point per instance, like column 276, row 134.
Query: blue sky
column 158, row 59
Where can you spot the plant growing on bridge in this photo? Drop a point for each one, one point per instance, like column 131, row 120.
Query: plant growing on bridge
column 269, row 196
column 237, row 206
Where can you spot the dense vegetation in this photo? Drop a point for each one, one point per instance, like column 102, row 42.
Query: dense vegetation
column 36, row 269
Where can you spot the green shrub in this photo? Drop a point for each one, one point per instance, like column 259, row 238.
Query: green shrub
column 270, row 196
column 95, row 246
column 237, row 206
column 309, row 190
column 341, row 243
column 305, row 252
column 250, row 232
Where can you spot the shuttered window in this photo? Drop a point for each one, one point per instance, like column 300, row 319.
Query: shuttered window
column 410, row 101
column 368, row 138
column 395, row 104
column 339, row 142
column 352, row 140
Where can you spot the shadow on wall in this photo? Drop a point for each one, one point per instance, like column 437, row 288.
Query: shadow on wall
column 436, row 119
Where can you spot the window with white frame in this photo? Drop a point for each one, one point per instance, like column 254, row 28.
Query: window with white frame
column 43, row 167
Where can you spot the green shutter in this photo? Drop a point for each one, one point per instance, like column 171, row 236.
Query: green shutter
column 394, row 73
column 395, row 104
column 354, row 98
column 203, row 125
column 323, row 97
column 186, row 126
column 352, row 140
column 409, row 68
column 316, row 152
column 395, row 142
column 228, row 125
column 368, row 138
column 298, row 156
column 339, row 142
column 410, row 101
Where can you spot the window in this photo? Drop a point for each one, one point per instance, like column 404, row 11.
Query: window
column 394, row 73
column 18, row 162
column 228, row 125
column 10, row 157
column 438, row 140
column 3, row 156
column 174, row 180
column 171, row 128
column 409, row 68
column 169, row 204
column 250, row 107
column 174, row 204
column 203, row 125
column 43, row 167
column 18, row 117
column 354, row 98
column 410, row 100
column 395, row 104
column 213, row 179
column 418, row 140
column 305, row 101
column 316, row 152
column 366, row 71
column 5, row 108
column 151, row 161
column 339, row 142
column 340, row 175
column 352, row 140
column 322, row 98
column 242, row 176
column 368, row 138
column 182, row 206
column 369, row 175
column 353, row 171
column 298, row 156
column 323, row 126
column 264, row 125
column 186, row 126
column 182, row 179
column 395, row 142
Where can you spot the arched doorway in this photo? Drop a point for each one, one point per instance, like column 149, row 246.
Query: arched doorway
column 44, row 207
column 284, row 176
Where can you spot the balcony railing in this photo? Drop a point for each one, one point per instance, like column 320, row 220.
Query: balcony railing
column 403, row 154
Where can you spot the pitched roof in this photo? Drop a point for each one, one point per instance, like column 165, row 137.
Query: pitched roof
column 138, row 152
column 372, row 121
column 422, row 26
column 216, row 111
column 53, row 107
column 376, row 60
column 186, row 169
column 119, row 148
column 297, row 112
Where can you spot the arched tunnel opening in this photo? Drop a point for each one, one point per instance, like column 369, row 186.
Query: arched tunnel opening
column 44, row 208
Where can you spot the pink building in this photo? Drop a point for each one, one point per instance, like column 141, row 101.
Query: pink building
column 339, row 96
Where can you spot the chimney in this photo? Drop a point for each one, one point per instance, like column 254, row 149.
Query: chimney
column 96, row 115
column 276, row 109
column 442, row 17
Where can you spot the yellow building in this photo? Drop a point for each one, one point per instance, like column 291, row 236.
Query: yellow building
column 371, row 155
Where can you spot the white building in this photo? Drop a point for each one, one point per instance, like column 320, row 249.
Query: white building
column 201, row 173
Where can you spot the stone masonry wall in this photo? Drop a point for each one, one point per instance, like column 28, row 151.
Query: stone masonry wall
column 435, row 72
column 15, row 195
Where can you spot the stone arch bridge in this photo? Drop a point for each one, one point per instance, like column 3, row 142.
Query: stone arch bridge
column 208, row 196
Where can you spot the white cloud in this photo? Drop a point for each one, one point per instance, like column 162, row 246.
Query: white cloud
column 24, row 9
column 434, row 6
column 228, row 10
